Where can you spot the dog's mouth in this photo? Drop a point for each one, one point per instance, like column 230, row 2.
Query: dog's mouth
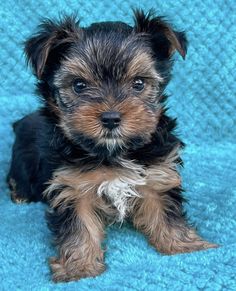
column 112, row 140
column 112, row 143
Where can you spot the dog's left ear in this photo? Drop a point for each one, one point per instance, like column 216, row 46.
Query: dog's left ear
column 165, row 41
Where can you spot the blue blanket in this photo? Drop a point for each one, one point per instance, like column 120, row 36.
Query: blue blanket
column 202, row 97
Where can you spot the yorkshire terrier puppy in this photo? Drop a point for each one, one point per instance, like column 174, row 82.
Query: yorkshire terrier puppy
column 102, row 149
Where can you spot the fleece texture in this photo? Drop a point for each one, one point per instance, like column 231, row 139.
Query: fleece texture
column 202, row 97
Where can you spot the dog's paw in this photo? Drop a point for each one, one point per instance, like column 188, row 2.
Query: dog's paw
column 59, row 273
column 186, row 241
column 178, row 247
column 72, row 271
column 15, row 197
column 194, row 246
column 208, row 245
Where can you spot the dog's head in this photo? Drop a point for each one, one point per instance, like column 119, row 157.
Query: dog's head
column 105, row 82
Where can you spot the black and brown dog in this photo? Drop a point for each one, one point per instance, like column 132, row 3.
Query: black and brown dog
column 102, row 149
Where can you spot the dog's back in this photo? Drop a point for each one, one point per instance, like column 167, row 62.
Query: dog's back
column 29, row 169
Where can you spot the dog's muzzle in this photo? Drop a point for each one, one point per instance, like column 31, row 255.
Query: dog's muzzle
column 111, row 119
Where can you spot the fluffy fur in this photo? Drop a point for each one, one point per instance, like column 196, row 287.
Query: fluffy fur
column 102, row 149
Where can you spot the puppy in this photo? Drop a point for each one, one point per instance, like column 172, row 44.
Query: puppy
column 102, row 148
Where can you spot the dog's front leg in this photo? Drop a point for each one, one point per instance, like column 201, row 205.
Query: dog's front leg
column 78, row 234
column 161, row 218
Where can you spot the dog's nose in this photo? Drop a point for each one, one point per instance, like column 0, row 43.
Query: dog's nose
column 111, row 119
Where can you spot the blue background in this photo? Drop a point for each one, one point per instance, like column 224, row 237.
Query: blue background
column 202, row 97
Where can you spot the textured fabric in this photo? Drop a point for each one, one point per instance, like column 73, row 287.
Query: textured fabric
column 202, row 97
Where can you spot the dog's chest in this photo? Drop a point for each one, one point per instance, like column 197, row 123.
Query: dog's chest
column 122, row 190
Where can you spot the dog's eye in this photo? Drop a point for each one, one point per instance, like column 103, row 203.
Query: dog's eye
column 138, row 84
column 79, row 85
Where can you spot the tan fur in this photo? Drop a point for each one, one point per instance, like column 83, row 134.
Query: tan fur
column 74, row 184
column 163, row 175
column 81, row 255
column 149, row 216
column 73, row 67
column 142, row 65
column 175, row 45
column 87, row 120
column 77, row 184
column 141, row 122
column 150, row 211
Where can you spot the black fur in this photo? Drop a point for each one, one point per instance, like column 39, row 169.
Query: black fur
column 62, row 223
column 45, row 142
column 41, row 146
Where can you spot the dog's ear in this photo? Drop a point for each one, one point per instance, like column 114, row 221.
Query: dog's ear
column 51, row 39
column 165, row 41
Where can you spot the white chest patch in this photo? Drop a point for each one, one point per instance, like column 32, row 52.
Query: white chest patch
column 121, row 190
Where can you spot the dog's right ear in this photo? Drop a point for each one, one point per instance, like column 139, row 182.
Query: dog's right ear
column 50, row 40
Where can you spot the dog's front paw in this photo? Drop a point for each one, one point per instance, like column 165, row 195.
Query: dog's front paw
column 59, row 273
column 193, row 246
column 184, row 240
column 15, row 197
column 185, row 246
column 65, row 271
column 204, row 245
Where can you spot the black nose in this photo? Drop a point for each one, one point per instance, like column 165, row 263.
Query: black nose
column 111, row 119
